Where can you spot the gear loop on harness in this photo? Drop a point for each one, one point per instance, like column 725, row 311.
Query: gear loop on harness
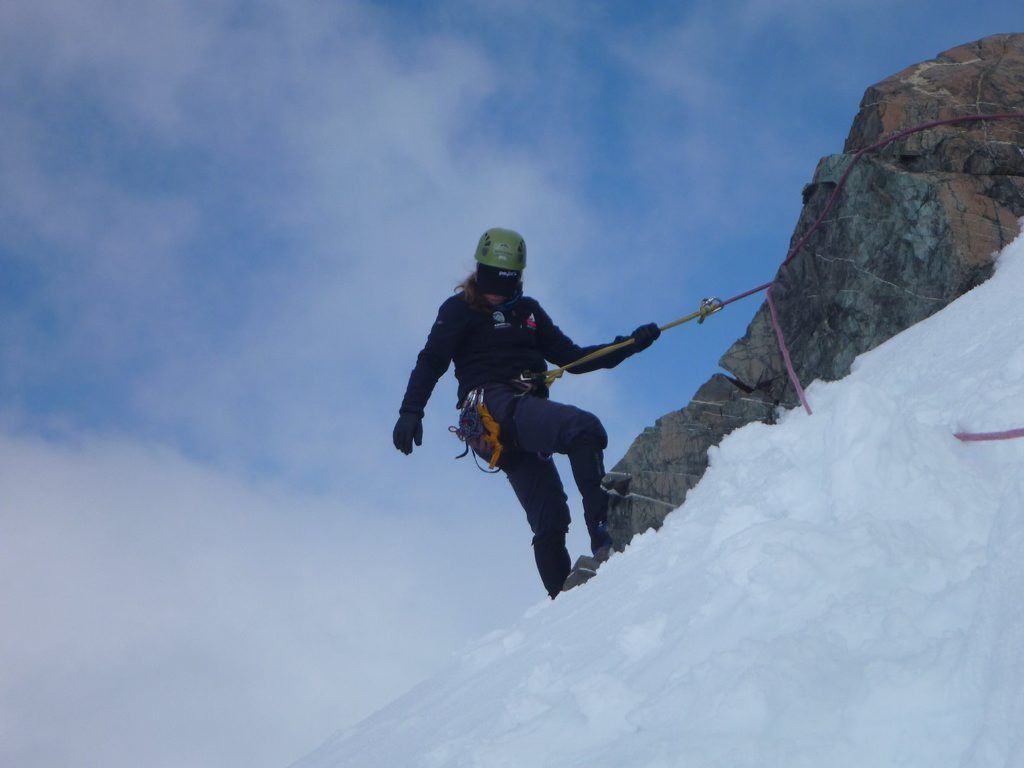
column 479, row 430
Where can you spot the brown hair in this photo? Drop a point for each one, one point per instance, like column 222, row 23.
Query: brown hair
column 471, row 294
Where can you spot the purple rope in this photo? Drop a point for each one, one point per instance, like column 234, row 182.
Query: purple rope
column 785, row 354
column 879, row 145
column 979, row 437
column 744, row 295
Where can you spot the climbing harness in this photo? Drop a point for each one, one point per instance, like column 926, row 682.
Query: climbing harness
column 529, row 383
column 482, row 433
column 479, row 431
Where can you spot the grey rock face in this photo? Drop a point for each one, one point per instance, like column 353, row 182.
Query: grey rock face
column 668, row 459
column 915, row 227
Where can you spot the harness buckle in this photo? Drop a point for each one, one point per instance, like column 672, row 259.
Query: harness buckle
column 526, row 382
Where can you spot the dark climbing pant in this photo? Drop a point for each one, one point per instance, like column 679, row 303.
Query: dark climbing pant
column 540, row 428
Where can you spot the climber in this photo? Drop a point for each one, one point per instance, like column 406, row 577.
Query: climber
column 494, row 334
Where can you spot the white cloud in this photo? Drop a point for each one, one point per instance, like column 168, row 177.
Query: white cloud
column 156, row 613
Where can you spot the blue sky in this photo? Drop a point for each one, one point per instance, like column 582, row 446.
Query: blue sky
column 224, row 230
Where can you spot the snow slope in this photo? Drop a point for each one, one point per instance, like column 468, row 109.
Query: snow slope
column 842, row 589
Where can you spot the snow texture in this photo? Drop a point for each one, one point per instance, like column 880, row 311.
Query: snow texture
column 842, row 589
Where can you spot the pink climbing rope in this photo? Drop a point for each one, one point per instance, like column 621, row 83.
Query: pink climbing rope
column 880, row 145
column 981, row 437
column 794, row 380
column 785, row 354
column 744, row 295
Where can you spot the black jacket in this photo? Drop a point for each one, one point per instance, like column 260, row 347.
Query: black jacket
column 494, row 346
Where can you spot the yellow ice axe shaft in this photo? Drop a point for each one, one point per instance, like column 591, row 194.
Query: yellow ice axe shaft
column 707, row 308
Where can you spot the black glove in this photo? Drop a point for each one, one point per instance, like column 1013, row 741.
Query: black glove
column 408, row 428
column 644, row 336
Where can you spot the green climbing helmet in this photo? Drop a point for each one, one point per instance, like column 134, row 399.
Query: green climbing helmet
column 502, row 248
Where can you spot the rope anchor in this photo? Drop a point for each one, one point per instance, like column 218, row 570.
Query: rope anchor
column 708, row 307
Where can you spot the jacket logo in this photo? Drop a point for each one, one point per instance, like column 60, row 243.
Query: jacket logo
column 531, row 322
column 499, row 320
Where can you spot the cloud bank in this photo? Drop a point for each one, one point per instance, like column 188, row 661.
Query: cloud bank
column 158, row 613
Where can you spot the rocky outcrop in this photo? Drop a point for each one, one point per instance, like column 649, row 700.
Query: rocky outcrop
column 915, row 227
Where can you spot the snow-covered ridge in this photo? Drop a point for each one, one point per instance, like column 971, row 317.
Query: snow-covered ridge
column 841, row 589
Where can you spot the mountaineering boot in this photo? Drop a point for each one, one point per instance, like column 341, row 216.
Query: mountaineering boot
column 601, row 542
column 583, row 571
column 587, row 462
column 552, row 560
